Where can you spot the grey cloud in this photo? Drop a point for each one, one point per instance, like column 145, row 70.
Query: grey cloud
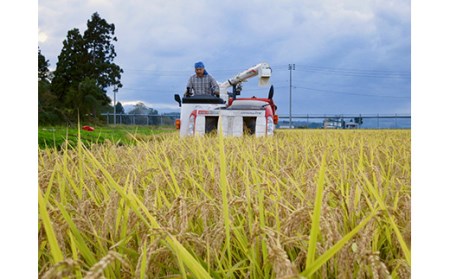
column 158, row 42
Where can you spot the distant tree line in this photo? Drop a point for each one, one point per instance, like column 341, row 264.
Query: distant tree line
column 142, row 109
column 85, row 69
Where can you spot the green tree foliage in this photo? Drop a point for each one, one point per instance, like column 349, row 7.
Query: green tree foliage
column 85, row 69
column 110, row 109
column 86, row 99
column 70, row 66
column 141, row 108
column 358, row 120
column 47, row 112
column 43, row 64
column 98, row 37
column 144, row 115
column 119, row 108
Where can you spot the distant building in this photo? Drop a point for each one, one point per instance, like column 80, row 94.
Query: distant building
column 339, row 123
column 351, row 125
column 334, row 123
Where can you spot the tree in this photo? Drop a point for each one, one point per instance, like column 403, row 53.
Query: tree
column 43, row 64
column 358, row 120
column 139, row 108
column 98, row 37
column 86, row 99
column 144, row 112
column 110, row 109
column 119, row 108
column 70, row 68
column 47, row 111
column 152, row 111
column 85, row 69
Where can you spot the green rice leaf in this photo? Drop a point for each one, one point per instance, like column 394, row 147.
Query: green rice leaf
column 321, row 260
column 43, row 214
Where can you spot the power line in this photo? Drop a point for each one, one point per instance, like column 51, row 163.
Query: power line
column 347, row 93
column 147, row 90
column 346, row 69
column 277, row 87
column 364, row 73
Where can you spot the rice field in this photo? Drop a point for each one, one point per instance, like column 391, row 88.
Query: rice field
column 300, row 204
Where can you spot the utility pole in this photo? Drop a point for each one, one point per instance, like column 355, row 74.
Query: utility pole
column 115, row 91
column 291, row 67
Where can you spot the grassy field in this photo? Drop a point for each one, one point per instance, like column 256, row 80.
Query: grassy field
column 305, row 203
column 120, row 134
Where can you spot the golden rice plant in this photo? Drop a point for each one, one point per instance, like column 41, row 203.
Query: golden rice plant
column 300, row 204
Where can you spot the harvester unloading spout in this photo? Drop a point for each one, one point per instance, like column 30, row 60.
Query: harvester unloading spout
column 262, row 70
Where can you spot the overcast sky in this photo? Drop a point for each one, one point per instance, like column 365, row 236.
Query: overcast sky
column 350, row 56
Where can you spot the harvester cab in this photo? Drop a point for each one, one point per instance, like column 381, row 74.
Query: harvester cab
column 203, row 114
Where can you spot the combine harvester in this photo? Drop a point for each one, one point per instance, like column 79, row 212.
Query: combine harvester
column 203, row 114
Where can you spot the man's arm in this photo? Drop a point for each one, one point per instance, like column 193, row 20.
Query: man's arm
column 214, row 86
column 189, row 85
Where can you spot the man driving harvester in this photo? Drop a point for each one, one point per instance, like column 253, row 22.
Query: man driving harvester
column 201, row 83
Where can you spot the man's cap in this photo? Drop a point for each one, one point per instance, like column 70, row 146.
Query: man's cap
column 199, row 65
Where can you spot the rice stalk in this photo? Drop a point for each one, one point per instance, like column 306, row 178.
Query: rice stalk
column 321, row 260
column 224, row 190
column 151, row 222
column 107, row 197
column 316, row 215
column 55, row 250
